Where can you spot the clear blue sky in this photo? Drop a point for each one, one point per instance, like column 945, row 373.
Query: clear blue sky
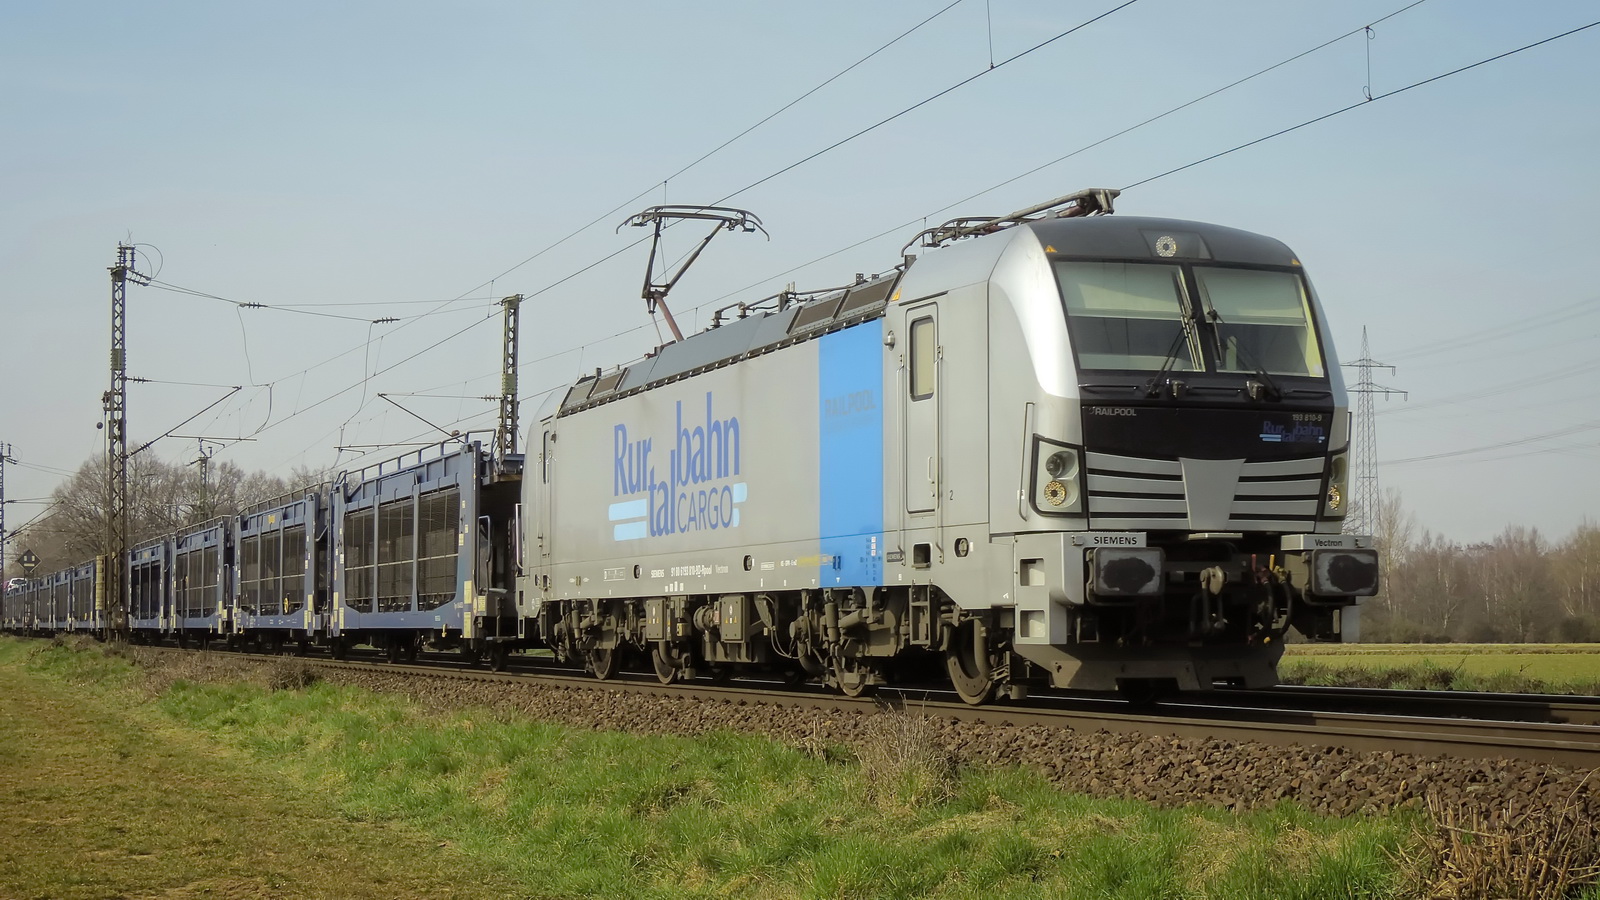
column 310, row 154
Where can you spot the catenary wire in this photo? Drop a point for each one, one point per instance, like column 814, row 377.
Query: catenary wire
column 1365, row 102
column 830, row 80
column 1060, row 159
column 1152, row 178
column 608, row 257
column 924, row 102
column 1500, row 445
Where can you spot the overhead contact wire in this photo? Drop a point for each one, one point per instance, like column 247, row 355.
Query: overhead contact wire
column 1365, row 102
column 994, row 187
column 921, row 103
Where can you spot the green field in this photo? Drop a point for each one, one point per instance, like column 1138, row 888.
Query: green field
column 1540, row 668
column 115, row 787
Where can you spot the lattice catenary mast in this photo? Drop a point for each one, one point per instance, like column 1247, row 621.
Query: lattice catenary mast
column 1367, row 501
column 115, row 402
column 5, row 457
column 506, row 435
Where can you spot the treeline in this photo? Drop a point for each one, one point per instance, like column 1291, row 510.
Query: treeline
column 162, row 498
column 1520, row 586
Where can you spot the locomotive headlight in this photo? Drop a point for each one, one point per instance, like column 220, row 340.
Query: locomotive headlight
column 1334, row 503
column 1057, row 478
column 1062, row 464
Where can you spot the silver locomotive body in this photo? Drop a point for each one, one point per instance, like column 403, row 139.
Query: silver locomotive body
column 1093, row 451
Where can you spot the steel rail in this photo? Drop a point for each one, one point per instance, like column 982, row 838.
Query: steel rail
column 1572, row 745
column 1198, row 717
column 1555, row 708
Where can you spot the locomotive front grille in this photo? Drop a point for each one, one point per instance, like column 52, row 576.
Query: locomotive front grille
column 1142, row 494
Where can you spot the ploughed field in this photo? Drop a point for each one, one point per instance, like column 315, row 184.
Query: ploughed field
column 141, row 773
column 1509, row 668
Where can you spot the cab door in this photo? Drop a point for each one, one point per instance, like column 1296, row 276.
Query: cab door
column 921, row 448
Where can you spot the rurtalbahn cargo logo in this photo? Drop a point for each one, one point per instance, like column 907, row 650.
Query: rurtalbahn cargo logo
column 698, row 492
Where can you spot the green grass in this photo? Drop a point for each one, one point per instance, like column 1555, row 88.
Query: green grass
column 1521, row 668
column 104, row 796
column 1457, row 649
column 565, row 813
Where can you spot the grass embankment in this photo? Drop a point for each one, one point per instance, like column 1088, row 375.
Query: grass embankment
column 114, row 788
column 1509, row 668
column 103, row 796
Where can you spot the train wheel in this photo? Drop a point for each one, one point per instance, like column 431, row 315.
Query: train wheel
column 666, row 672
column 470, row 655
column 392, row 648
column 302, row 648
column 338, row 649
column 499, row 656
column 183, row 641
column 602, row 662
column 967, row 661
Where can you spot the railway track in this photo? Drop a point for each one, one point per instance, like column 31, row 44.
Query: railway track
column 1552, row 708
column 1560, row 731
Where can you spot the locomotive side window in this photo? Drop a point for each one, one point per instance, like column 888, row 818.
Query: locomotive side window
column 1127, row 316
column 1262, row 319
column 922, row 358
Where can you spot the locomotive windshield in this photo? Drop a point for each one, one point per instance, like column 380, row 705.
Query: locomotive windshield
column 1128, row 315
column 1153, row 317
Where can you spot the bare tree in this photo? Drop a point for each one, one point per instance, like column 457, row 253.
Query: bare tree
column 1394, row 538
column 1576, row 564
column 162, row 498
column 1435, row 578
column 1518, row 595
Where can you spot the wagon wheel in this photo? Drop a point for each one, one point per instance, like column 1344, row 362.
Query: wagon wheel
column 666, row 672
column 967, row 661
column 602, row 662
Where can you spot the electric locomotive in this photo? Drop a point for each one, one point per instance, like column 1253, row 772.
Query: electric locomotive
column 1055, row 447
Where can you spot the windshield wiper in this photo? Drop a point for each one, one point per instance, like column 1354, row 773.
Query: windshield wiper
column 1152, row 388
column 1263, row 386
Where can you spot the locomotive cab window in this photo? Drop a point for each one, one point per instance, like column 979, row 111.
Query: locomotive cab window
column 1261, row 320
column 923, row 345
column 1127, row 315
